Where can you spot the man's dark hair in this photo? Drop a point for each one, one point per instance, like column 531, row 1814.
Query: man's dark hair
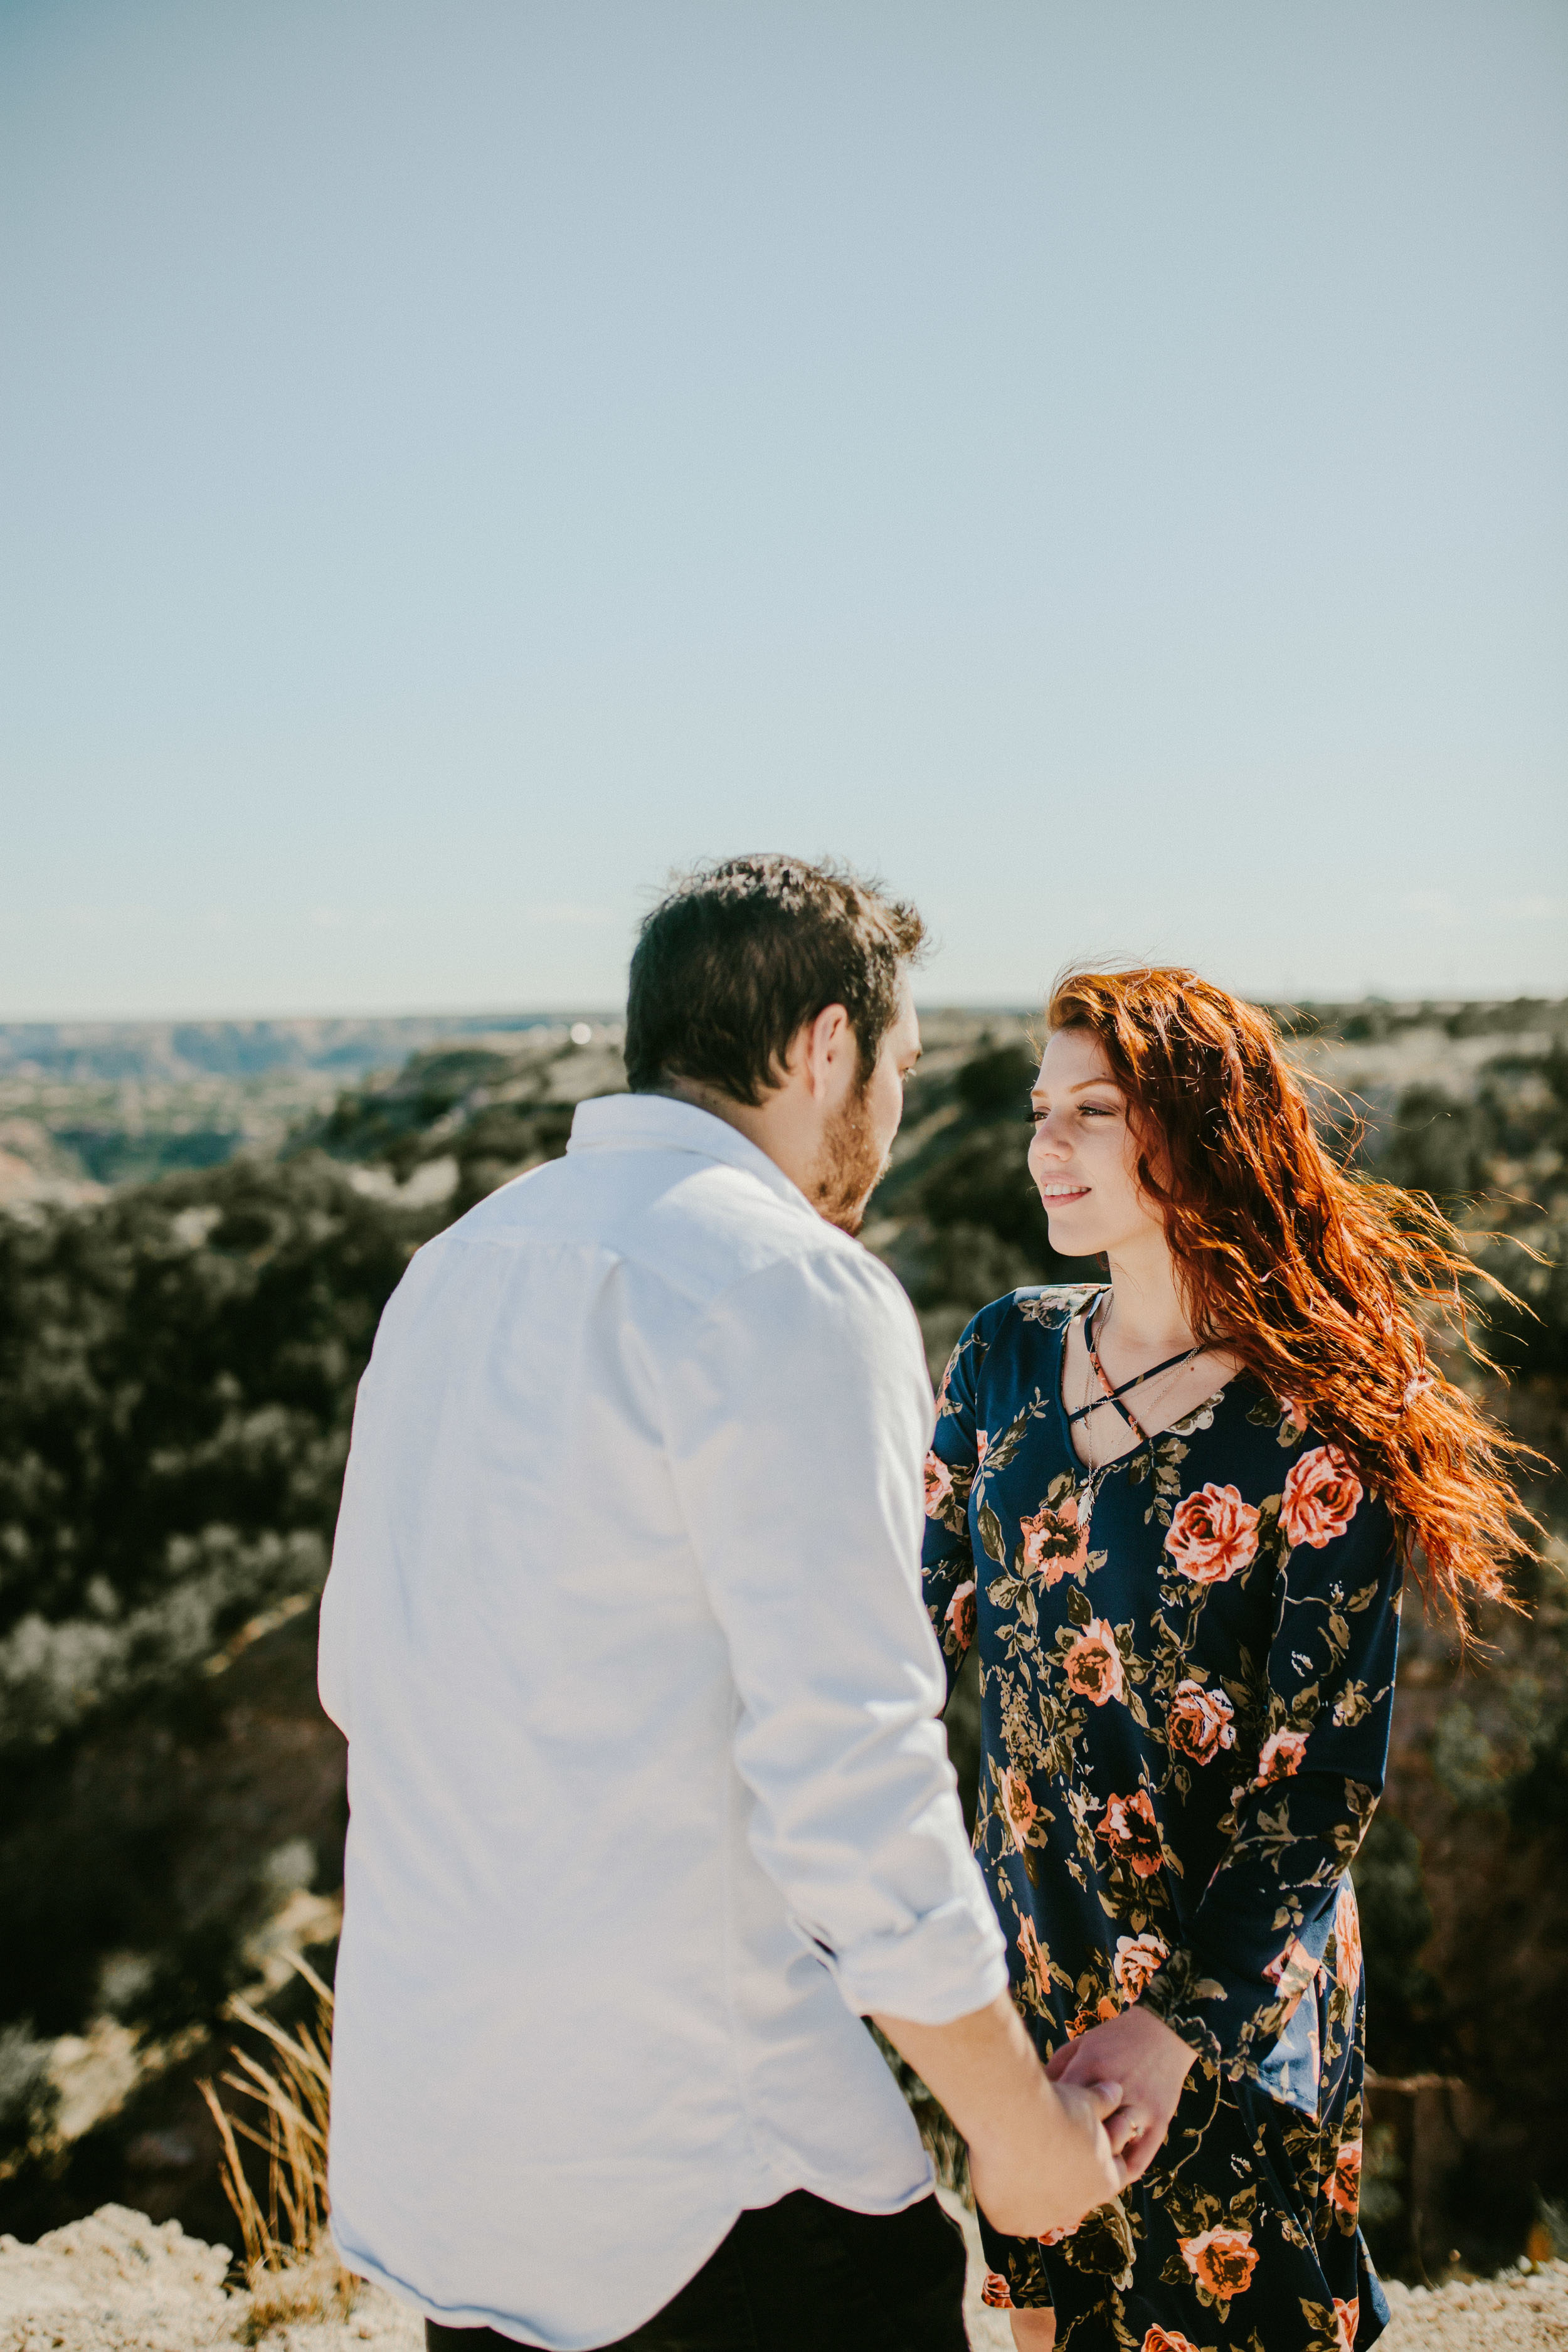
column 737, row 957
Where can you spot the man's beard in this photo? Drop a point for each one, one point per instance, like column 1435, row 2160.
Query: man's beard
column 849, row 1167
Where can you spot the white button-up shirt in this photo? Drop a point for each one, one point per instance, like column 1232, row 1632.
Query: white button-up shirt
column 649, row 1801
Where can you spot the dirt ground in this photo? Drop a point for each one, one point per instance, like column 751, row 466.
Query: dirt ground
column 118, row 2282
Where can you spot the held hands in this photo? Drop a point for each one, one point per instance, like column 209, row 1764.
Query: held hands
column 1149, row 2063
column 1039, row 2157
column 1054, row 2164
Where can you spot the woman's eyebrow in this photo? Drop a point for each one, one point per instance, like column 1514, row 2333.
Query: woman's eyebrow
column 1080, row 1087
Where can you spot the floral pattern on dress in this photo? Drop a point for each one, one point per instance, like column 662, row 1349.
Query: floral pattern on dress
column 1186, row 1662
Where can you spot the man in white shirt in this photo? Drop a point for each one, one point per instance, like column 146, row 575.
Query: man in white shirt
column 650, row 1802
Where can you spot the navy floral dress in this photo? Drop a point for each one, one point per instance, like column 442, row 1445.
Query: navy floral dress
column 1186, row 1662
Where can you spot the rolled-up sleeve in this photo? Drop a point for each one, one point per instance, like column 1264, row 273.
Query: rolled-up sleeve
column 797, row 1427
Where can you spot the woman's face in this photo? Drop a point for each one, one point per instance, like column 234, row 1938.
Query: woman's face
column 1084, row 1156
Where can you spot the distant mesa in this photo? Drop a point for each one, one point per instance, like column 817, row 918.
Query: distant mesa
column 79, row 1051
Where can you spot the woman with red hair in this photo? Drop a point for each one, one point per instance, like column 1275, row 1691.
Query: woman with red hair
column 1174, row 1509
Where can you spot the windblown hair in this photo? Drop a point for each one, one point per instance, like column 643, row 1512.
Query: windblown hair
column 1324, row 1286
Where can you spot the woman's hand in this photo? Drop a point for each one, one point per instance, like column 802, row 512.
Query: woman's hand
column 1139, row 2050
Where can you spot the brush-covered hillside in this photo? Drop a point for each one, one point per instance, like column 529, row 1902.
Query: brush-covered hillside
column 178, row 1361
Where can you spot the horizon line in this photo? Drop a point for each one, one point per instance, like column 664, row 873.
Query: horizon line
column 603, row 1012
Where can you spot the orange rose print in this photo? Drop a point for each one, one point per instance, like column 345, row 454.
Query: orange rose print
column 1212, row 1535
column 1057, row 1541
column 996, row 2292
column 1347, row 2319
column 982, row 1445
column 1093, row 1665
column 1199, row 1724
column 1137, row 1959
column 1342, row 2187
column 1347, row 1937
column 1018, row 1806
column 961, row 1614
column 1035, row 1960
column 1131, row 1831
column 1280, row 1755
column 1321, row 1498
column 1167, row 2340
column 1221, row 2260
column 939, row 1484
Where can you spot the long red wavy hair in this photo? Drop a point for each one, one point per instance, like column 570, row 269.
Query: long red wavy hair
column 1325, row 1286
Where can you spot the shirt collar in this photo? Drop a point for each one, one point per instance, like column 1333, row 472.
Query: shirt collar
column 661, row 1123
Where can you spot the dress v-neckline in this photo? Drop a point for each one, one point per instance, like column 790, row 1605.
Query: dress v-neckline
column 1094, row 1471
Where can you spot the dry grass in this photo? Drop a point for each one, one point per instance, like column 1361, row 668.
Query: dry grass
column 290, row 2265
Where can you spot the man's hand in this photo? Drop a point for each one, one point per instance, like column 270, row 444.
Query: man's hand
column 1139, row 2050
column 1039, row 2157
column 1047, row 2169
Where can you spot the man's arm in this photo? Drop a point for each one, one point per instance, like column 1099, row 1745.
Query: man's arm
column 796, row 1425
column 797, row 1430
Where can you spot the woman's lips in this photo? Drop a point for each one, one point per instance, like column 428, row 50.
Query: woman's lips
column 1056, row 1200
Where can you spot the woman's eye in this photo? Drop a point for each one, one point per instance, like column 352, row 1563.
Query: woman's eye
column 1036, row 1115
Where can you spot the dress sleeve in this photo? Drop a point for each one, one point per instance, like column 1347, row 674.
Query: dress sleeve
column 1314, row 1718
column 947, row 1562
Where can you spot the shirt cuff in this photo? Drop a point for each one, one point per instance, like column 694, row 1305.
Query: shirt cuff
column 951, row 1962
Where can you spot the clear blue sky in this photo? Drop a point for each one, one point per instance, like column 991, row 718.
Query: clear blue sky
column 1105, row 467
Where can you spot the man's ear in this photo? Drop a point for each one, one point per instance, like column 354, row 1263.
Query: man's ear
column 828, row 1041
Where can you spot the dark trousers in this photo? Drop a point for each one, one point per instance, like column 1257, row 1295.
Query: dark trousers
column 803, row 2276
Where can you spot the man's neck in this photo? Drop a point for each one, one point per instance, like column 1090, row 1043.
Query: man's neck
column 746, row 1117
column 768, row 1124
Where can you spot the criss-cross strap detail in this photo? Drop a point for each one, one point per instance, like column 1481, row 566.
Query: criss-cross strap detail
column 1114, row 1396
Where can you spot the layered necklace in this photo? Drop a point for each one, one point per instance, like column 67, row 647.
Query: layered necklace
column 1116, row 1396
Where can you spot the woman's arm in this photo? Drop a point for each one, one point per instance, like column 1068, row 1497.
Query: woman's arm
column 947, row 1570
column 1319, row 1706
